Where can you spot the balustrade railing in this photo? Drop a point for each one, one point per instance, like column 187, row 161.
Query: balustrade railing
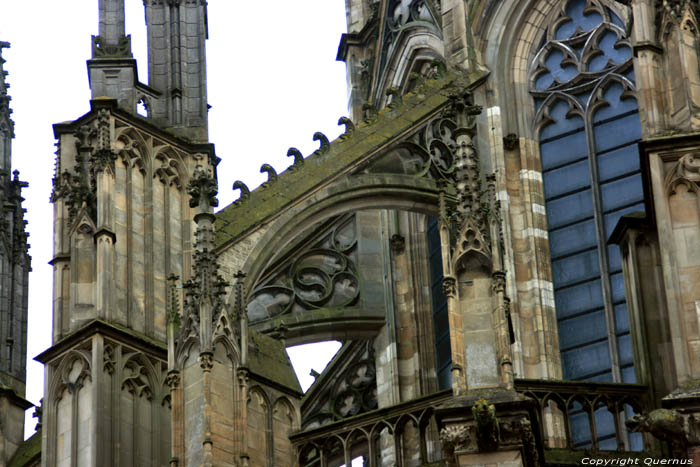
column 586, row 415
column 573, row 415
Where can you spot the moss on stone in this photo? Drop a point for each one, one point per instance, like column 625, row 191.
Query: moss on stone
column 267, row 357
column 266, row 201
column 28, row 452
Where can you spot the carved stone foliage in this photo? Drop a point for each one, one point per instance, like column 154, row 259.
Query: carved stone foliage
column 93, row 155
column 684, row 172
column 455, row 438
column 430, row 152
column 319, row 274
column 586, row 42
column 347, row 387
column 676, row 9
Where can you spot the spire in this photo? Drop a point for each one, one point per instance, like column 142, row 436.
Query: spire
column 6, row 123
column 112, row 40
column 204, row 306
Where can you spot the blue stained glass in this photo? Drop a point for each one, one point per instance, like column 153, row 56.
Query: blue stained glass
column 558, row 112
column 569, row 189
column 614, row 259
column 443, row 352
column 624, row 347
column 572, row 239
column 576, row 268
column 544, row 81
column 629, row 377
column 572, row 177
column 563, row 150
column 619, row 162
column 622, row 192
column 587, row 361
column 605, row 429
column 612, row 218
column 569, row 209
column 615, row 105
column 612, row 52
column 583, row 329
column 618, row 132
column 562, row 74
column 616, row 19
column 605, row 377
column 622, row 323
column 586, row 21
column 580, row 428
column 578, row 299
column 618, row 287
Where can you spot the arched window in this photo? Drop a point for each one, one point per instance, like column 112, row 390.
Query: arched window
column 583, row 83
column 441, row 324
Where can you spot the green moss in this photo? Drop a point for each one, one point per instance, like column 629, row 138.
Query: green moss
column 268, row 358
column 264, row 202
column 28, row 452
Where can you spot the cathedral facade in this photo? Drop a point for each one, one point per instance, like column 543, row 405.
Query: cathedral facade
column 505, row 239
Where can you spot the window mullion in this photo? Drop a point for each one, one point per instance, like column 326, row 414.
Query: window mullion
column 603, row 262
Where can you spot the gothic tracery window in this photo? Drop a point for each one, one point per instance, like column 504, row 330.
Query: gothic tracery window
column 583, row 84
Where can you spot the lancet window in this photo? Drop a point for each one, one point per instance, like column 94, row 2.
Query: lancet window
column 441, row 325
column 582, row 80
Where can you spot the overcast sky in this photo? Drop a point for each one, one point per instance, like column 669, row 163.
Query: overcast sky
column 272, row 77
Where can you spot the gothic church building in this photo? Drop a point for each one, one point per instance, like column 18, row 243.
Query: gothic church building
column 505, row 238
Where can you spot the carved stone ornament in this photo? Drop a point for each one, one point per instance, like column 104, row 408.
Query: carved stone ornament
column 173, row 379
column 455, row 438
column 120, row 50
column 206, row 361
column 685, row 172
column 510, row 141
column 398, row 243
column 429, row 152
column 203, row 190
column 323, row 274
column 449, row 286
column 499, row 282
column 135, row 380
column 350, row 388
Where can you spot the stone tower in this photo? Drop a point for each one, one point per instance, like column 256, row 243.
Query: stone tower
column 14, row 272
column 460, row 238
column 122, row 226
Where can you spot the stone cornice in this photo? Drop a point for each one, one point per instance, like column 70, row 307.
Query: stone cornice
column 115, row 332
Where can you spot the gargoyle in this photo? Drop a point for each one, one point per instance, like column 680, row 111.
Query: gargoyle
column 664, row 424
column 487, row 430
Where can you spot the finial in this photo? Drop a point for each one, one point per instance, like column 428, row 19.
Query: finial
column 298, row 158
column 202, row 190
column 271, row 173
column 349, row 127
column 325, row 144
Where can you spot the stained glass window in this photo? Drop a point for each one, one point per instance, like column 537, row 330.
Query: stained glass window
column 582, row 80
column 441, row 325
